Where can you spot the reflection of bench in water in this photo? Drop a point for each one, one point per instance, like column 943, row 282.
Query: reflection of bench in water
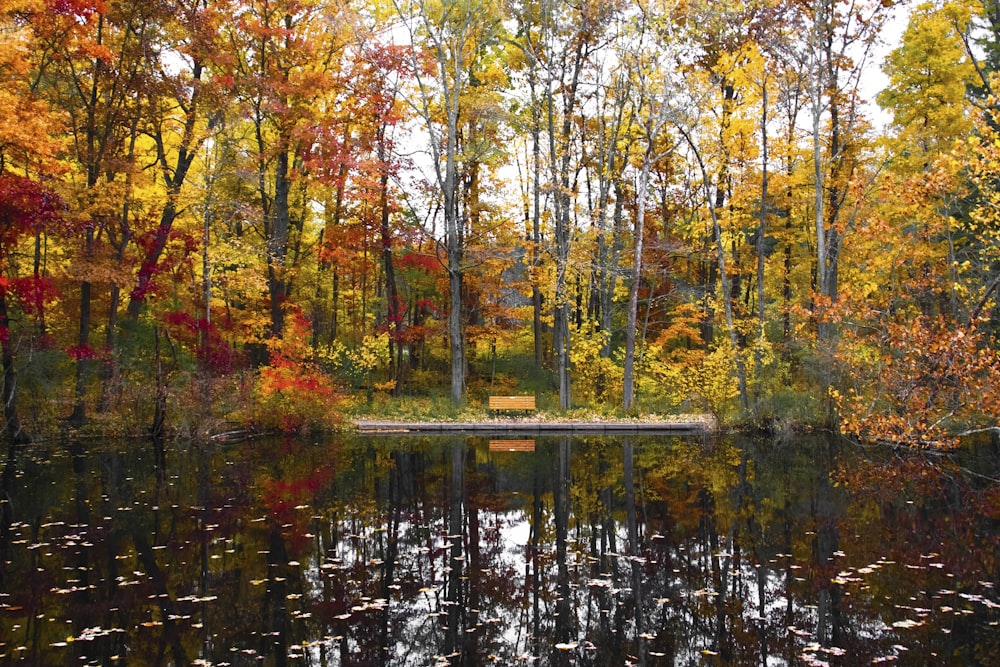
column 512, row 445
column 523, row 403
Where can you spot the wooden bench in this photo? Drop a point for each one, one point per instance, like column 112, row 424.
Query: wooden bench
column 523, row 403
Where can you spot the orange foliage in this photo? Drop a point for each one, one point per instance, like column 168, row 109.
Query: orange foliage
column 926, row 380
column 293, row 394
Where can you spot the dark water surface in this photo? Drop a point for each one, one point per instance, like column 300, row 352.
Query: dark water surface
column 432, row 551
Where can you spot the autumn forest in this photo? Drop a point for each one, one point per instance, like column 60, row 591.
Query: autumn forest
column 274, row 212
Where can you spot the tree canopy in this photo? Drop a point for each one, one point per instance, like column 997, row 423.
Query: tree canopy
column 262, row 210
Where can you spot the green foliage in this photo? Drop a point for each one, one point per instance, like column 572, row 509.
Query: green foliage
column 43, row 378
column 435, row 407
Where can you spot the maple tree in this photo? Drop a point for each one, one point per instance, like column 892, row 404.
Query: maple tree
column 183, row 112
column 97, row 62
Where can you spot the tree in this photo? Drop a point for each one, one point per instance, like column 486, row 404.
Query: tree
column 530, row 41
column 653, row 108
column 29, row 126
column 353, row 152
column 572, row 36
column 449, row 35
column 923, row 364
column 27, row 208
column 285, row 56
column 838, row 30
column 929, row 76
column 92, row 61
column 188, row 101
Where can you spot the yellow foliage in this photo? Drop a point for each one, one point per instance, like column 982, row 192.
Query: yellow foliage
column 706, row 380
column 373, row 353
column 593, row 375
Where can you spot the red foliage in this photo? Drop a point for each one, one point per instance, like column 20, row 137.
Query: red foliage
column 421, row 261
column 413, row 334
column 32, row 291
column 79, row 352
column 177, row 249
column 26, row 207
column 177, row 319
column 156, row 238
column 83, row 9
column 293, row 393
column 204, row 339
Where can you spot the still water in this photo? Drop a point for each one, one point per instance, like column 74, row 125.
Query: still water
column 470, row 551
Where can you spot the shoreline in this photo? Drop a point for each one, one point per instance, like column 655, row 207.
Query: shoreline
column 686, row 424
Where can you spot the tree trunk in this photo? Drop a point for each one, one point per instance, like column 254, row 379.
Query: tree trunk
column 536, row 227
column 79, row 414
column 393, row 311
column 761, row 247
column 628, row 379
column 559, row 151
column 167, row 217
column 110, row 378
column 9, row 391
column 277, row 243
column 453, row 226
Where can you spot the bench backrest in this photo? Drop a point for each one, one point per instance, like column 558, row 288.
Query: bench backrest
column 512, row 402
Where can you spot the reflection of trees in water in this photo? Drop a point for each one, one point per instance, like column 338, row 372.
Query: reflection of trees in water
column 586, row 552
column 454, row 596
column 564, row 621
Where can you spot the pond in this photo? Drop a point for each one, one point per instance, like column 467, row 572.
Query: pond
column 667, row 550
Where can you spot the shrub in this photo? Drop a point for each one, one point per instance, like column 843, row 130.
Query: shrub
column 293, row 394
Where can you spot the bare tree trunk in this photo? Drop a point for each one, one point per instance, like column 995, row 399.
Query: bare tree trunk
column 761, row 246
column 817, row 148
column 536, row 228
column 628, row 378
column 448, row 42
column 559, row 152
